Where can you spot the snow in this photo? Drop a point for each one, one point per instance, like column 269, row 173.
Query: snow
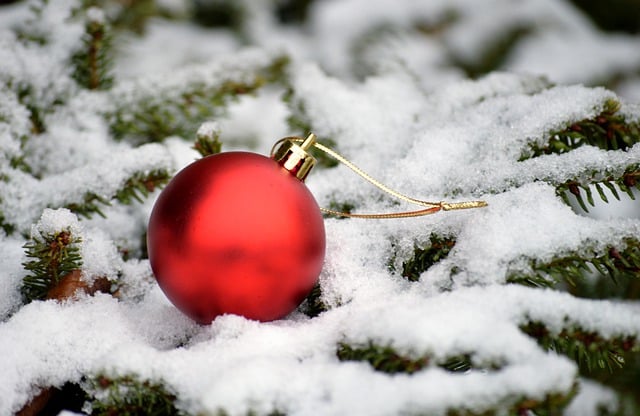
column 400, row 109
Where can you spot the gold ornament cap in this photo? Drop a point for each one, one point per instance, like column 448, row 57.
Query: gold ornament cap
column 295, row 158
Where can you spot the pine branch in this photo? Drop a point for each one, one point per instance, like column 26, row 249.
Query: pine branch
column 141, row 184
column 153, row 115
column 624, row 381
column 137, row 187
column 616, row 262
column 92, row 64
column 208, row 140
column 584, row 189
column 340, row 207
column 590, row 350
column 313, row 304
column 387, row 360
column 609, row 131
column 130, row 396
column 53, row 257
column 425, row 257
column 495, row 53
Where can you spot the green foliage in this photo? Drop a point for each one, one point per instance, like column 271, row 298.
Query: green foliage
column 382, row 358
column 52, row 257
column 613, row 15
column 590, row 350
column 624, row 381
column 585, row 190
column 141, row 184
column 208, row 143
column 340, row 207
column 133, row 15
column 137, row 187
column 153, row 116
column 292, row 11
column 25, row 96
column 92, row 63
column 622, row 262
column 313, row 304
column 219, row 13
column 609, row 131
column 425, row 257
column 495, row 53
column 130, row 396
column 388, row 360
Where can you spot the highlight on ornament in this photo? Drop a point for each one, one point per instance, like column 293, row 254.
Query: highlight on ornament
column 429, row 207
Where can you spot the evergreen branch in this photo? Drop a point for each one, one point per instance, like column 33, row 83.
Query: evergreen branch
column 129, row 396
column 572, row 268
column 609, row 131
column 91, row 204
column 137, row 187
column 313, row 304
column 140, row 185
column 92, row 63
column 625, row 182
column 495, row 53
column 340, row 207
column 53, row 257
column 151, row 116
column 388, row 360
column 589, row 349
column 425, row 257
column 624, row 381
column 208, row 140
column 133, row 15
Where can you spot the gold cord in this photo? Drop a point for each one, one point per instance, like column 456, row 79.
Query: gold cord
column 431, row 207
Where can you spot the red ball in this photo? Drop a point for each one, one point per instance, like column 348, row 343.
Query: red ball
column 236, row 233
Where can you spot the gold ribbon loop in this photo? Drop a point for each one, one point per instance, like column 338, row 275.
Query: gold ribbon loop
column 430, row 207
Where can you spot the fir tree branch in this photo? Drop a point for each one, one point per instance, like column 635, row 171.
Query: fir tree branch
column 141, row 184
column 590, row 350
column 340, row 207
column 137, row 187
column 156, row 113
column 92, row 63
column 387, row 360
column 582, row 189
column 53, row 257
column 609, row 131
column 313, row 304
column 495, row 53
column 616, row 262
column 129, row 395
column 425, row 257
column 208, row 140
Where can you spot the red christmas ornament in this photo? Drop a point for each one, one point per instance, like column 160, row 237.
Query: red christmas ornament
column 238, row 233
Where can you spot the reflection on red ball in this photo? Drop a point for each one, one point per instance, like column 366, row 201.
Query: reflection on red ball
column 236, row 233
